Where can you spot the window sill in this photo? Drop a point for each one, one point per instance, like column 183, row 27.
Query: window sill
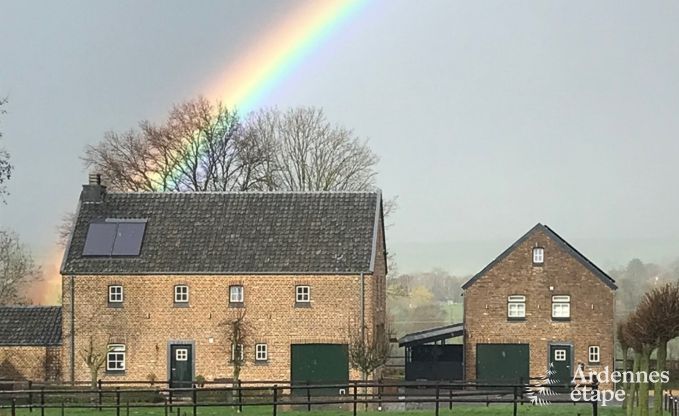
column 115, row 305
column 115, row 372
column 516, row 319
column 261, row 362
column 181, row 304
column 560, row 319
column 538, row 264
column 236, row 304
column 302, row 304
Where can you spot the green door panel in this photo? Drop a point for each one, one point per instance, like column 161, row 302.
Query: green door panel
column 502, row 363
column 319, row 364
column 561, row 362
column 181, row 365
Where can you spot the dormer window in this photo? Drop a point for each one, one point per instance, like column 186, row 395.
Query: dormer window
column 538, row 256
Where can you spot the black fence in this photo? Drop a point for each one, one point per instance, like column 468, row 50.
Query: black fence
column 671, row 404
column 279, row 396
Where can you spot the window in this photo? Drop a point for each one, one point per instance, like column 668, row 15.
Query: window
column 561, row 307
column 115, row 237
column 303, row 294
column 181, row 294
column 115, row 358
column 236, row 294
column 516, row 307
column 181, row 354
column 559, row 355
column 237, row 352
column 594, row 354
column 538, row 255
column 115, row 294
column 261, row 352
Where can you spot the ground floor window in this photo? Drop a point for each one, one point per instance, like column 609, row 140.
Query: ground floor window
column 594, row 354
column 261, row 352
column 237, row 352
column 115, row 358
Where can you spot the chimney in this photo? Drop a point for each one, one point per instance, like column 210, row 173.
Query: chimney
column 94, row 191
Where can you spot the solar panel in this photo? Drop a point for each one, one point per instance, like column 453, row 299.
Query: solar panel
column 128, row 239
column 100, row 238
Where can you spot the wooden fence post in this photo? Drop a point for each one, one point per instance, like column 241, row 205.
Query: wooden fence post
column 355, row 395
column 438, row 391
column 514, row 400
column 14, row 405
column 595, row 403
column 30, row 396
column 275, row 399
column 308, row 397
column 194, row 399
column 42, row 401
column 117, row 401
column 99, row 393
column 240, row 397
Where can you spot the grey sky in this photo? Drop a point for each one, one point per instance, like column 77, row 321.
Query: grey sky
column 488, row 116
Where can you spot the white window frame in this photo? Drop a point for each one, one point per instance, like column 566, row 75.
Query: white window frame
column 538, row 255
column 561, row 307
column 516, row 306
column 116, row 354
column 181, row 295
column 594, row 354
column 240, row 294
column 302, row 293
column 115, row 296
column 241, row 349
column 261, row 352
column 560, row 355
column 181, row 354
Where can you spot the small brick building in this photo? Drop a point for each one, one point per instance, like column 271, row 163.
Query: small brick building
column 30, row 343
column 540, row 302
column 154, row 278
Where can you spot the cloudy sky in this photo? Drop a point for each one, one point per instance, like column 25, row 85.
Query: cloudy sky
column 488, row 116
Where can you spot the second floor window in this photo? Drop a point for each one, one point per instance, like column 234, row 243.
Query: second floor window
column 181, row 294
column 236, row 294
column 302, row 294
column 516, row 307
column 561, row 307
column 115, row 294
column 538, row 255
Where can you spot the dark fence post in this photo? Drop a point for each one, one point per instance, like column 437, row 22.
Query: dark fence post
column 438, row 394
column 240, row 397
column 14, row 405
column 30, row 396
column 450, row 397
column 127, row 408
column 380, row 387
column 117, row 401
column 165, row 407
column 355, row 396
column 42, row 401
column 308, row 397
column 99, row 393
column 194, row 399
column 514, row 400
column 595, row 403
column 275, row 399
column 169, row 389
column 62, row 407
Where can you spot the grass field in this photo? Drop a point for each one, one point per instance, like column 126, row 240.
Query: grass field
column 493, row 410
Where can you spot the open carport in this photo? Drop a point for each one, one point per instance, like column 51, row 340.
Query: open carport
column 428, row 357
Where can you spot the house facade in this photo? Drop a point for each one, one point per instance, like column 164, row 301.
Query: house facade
column 156, row 280
column 540, row 303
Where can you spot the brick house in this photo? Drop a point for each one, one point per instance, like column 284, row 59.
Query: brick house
column 153, row 278
column 30, row 343
column 540, row 302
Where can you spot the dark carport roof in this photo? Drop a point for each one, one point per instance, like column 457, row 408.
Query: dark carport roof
column 432, row 335
column 30, row 325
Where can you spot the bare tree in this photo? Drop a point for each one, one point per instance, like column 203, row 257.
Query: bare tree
column 17, row 268
column 368, row 354
column 644, row 343
column 5, row 166
column 238, row 332
column 94, row 355
column 201, row 147
column 311, row 154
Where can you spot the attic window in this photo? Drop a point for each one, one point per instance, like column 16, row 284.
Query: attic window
column 538, row 255
column 114, row 237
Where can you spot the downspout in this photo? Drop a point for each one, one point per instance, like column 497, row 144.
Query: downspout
column 72, row 330
column 363, row 375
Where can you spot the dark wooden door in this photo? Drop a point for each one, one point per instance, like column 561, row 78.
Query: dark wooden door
column 181, row 365
column 561, row 363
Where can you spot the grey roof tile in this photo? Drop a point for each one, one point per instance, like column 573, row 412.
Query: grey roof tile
column 231, row 233
column 30, row 325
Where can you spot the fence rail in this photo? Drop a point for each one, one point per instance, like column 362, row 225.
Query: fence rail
column 279, row 395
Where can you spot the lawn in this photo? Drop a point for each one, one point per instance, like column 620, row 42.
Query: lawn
column 480, row 410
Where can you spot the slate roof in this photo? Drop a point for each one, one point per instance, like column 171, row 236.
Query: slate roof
column 236, row 233
column 432, row 335
column 30, row 325
column 565, row 245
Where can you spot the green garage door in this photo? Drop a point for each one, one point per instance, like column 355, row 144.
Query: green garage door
column 502, row 363
column 319, row 364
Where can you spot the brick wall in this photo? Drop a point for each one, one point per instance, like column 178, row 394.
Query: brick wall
column 35, row 363
column 592, row 307
column 149, row 319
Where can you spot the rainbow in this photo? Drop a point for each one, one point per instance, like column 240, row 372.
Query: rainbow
column 273, row 56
